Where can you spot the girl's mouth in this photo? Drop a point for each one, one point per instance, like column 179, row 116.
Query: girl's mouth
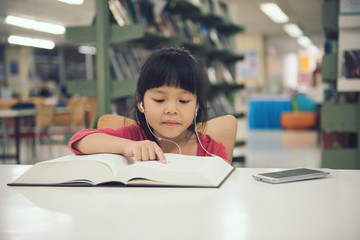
column 171, row 123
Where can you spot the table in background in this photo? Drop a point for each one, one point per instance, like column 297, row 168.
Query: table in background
column 17, row 115
column 242, row 208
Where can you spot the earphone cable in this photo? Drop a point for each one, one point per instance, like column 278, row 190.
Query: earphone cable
column 198, row 138
column 159, row 138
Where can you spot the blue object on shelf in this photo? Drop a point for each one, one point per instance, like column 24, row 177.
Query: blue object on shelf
column 304, row 103
column 265, row 112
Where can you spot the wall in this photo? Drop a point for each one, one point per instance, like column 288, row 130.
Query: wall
column 251, row 70
column 19, row 65
column 278, row 51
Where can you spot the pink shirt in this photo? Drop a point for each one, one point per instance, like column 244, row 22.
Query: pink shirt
column 135, row 132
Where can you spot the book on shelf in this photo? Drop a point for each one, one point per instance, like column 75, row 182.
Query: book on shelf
column 115, row 65
column 124, row 64
column 219, row 8
column 338, row 140
column 219, row 73
column 220, row 104
column 332, row 96
column 141, row 54
column 181, row 30
column 194, row 30
column 214, row 37
column 131, row 62
column 119, row 12
column 225, row 41
column 205, row 33
column 133, row 7
column 147, row 16
column 114, row 169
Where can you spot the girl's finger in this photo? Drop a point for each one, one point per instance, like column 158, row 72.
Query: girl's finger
column 160, row 154
column 152, row 155
column 144, row 153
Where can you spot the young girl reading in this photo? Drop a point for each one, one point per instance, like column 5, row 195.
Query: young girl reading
column 170, row 100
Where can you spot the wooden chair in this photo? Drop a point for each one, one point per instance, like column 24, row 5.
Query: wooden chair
column 43, row 120
column 221, row 128
column 91, row 112
column 7, row 103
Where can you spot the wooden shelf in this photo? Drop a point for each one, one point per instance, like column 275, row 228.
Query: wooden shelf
column 119, row 89
column 136, row 35
column 338, row 117
column 182, row 6
column 229, row 28
column 118, row 35
column 330, row 12
column 329, row 67
column 226, row 87
column 204, row 15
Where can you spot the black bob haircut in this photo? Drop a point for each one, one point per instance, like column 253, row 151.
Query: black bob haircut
column 174, row 67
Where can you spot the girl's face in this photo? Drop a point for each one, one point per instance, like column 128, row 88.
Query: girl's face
column 169, row 111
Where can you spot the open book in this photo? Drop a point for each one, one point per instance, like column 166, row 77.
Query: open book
column 96, row 169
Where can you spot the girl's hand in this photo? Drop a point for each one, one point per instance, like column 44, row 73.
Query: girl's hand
column 144, row 151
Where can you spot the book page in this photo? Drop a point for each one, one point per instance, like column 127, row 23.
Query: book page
column 77, row 169
column 182, row 170
column 114, row 161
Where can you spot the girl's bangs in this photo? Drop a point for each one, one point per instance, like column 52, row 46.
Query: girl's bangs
column 173, row 75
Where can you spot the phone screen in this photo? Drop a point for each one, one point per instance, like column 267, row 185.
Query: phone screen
column 290, row 173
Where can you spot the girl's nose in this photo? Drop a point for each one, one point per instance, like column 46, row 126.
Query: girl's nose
column 171, row 109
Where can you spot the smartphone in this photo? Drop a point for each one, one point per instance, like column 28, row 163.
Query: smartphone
column 291, row 175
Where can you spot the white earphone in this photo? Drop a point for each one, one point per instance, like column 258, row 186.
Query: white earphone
column 142, row 107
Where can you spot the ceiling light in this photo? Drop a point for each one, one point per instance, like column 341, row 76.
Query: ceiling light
column 304, row 41
column 87, row 50
column 35, row 25
column 72, row 2
column 312, row 49
column 32, row 42
column 293, row 30
column 274, row 12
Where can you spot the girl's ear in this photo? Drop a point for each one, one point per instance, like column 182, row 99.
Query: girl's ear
column 140, row 106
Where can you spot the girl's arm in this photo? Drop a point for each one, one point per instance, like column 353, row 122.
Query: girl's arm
column 104, row 143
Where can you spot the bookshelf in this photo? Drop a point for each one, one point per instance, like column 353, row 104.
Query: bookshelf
column 106, row 33
column 340, row 113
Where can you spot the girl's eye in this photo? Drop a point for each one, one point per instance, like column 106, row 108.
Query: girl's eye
column 184, row 101
column 159, row 100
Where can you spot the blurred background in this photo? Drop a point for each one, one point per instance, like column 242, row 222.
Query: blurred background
column 288, row 70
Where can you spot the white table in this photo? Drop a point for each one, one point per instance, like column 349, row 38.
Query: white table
column 242, row 208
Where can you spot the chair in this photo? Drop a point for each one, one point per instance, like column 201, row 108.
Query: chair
column 43, row 120
column 71, row 121
column 7, row 103
column 80, row 115
column 6, row 124
column 221, row 128
column 91, row 112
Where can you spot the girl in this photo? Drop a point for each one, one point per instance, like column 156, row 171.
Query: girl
column 170, row 100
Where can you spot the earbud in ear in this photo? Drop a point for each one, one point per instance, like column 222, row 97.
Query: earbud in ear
column 197, row 108
column 142, row 107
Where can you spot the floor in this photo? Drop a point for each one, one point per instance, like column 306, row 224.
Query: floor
column 42, row 152
column 263, row 149
column 282, row 149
